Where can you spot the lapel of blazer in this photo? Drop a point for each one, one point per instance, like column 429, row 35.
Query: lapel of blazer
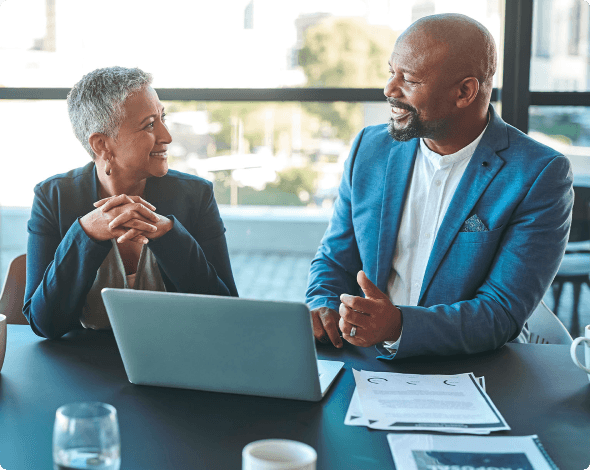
column 474, row 182
column 395, row 186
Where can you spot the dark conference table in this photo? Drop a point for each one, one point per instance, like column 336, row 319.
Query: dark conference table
column 536, row 387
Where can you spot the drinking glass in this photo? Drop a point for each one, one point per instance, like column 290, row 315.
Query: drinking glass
column 86, row 435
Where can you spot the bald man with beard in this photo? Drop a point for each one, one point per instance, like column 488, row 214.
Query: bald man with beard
column 450, row 224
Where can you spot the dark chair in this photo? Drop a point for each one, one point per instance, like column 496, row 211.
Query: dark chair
column 575, row 266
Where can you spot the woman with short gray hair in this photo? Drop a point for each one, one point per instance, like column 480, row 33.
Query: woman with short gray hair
column 102, row 225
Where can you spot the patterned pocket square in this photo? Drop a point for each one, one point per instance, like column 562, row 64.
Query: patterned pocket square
column 473, row 224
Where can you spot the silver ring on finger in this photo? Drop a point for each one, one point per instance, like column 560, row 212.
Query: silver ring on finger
column 352, row 333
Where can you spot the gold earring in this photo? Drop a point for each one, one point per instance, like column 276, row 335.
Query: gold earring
column 107, row 167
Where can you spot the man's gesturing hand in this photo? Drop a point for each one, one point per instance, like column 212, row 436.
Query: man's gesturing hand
column 376, row 319
column 325, row 326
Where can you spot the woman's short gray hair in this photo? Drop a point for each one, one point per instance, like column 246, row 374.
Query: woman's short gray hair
column 95, row 103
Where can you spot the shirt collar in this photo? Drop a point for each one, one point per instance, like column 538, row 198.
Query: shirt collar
column 443, row 161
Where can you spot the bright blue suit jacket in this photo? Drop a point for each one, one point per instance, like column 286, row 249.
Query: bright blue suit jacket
column 479, row 288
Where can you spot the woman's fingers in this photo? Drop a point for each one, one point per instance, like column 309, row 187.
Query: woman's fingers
column 144, row 202
column 134, row 235
column 114, row 201
column 139, row 225
column 101, row 202
column 131, row 234
column 137, row 210
column 142, row 239
column 144, row 211
column 130, row 220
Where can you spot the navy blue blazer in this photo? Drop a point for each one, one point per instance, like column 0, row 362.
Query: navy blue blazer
column 479, row 288
column 62, row 261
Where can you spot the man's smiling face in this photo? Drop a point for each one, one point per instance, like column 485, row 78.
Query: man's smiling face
column 418, row 90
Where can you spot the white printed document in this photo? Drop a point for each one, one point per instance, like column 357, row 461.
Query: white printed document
column 439, row 452
column 355, row 416
column 402, row 402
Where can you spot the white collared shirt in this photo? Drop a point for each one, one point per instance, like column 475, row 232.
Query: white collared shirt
column 434, row 181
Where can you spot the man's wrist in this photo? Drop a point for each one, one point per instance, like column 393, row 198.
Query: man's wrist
column 396, row 330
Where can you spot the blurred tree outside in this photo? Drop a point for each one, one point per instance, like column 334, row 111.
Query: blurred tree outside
column 297, row 181
column 337, row 52
column 561, row 126
column 267, row 127
column 293, row 187
column 345, row 53
column 265, row 124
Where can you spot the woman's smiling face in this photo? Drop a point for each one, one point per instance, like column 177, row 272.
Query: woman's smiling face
column 141, row 145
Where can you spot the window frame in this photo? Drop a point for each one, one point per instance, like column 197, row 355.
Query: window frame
column 515, row 94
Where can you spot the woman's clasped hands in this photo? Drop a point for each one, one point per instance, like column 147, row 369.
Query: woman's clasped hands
column 126, row 218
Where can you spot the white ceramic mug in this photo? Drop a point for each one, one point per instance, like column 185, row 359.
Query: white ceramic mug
column 577, row 341
column 278, row 454
column 2, row 339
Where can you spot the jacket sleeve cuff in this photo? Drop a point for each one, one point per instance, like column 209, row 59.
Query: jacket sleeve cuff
column 385, row 353
column 388, row 349
column 324, row 302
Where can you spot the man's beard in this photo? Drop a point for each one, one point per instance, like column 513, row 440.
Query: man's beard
column 416, row 128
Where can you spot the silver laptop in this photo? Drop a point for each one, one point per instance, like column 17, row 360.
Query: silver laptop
column 219, row 344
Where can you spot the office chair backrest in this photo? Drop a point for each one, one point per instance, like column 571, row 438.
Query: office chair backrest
column 546, row 328
column 13, row 292
column 580, row 228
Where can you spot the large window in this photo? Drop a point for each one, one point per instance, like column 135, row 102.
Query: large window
column 560, row 67
column 222, row 44
column 263, row 97
column 560, row 58
column 324, row 60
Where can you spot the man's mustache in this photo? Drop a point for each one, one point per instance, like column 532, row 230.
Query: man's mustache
column 397, row 104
